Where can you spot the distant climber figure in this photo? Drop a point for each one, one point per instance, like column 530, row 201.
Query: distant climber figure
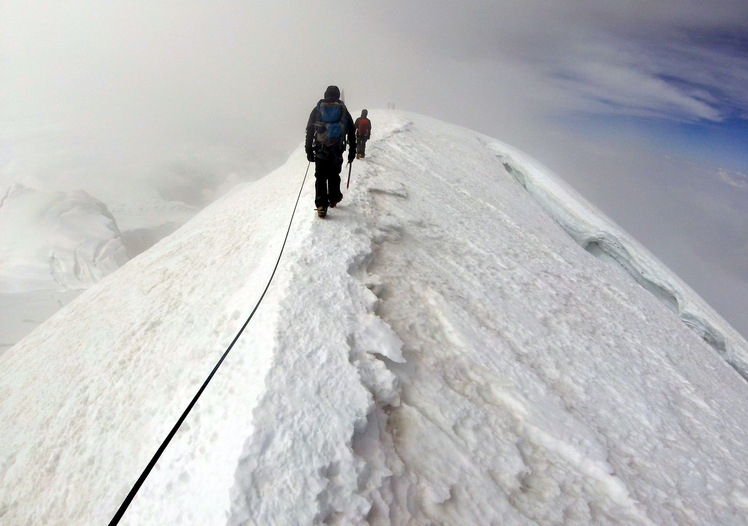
column 329, row 127
column 363, row 132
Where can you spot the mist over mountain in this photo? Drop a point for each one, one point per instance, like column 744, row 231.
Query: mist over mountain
column 463, row 340
column 640, row 106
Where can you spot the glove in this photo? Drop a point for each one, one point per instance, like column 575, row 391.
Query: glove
column 310, row 156
column 351, row 156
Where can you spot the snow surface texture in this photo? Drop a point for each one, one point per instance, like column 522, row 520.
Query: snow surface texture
column 462, row 341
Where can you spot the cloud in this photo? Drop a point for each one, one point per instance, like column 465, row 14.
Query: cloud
column 734, row 179
column 120, row 95
column 675, row 59
column 192, row 69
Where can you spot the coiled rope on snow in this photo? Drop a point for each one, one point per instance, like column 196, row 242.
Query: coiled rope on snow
column 134, row 490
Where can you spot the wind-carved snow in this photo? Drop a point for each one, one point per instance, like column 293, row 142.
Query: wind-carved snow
column 601, row 238
column 441, row 484
column 438, row 350
column 323, row 384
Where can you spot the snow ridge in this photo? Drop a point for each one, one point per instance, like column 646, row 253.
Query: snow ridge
column 342, row 363
column 425, row 382
column 439, row 350
column 605, row 240
column 390, row 401
column 441, row 485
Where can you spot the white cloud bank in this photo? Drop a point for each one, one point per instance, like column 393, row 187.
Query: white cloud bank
column 140, row 102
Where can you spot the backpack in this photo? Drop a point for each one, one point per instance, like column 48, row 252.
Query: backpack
column 364, row 126
column 330, row 128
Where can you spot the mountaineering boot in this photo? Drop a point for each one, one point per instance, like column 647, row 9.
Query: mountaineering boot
column 321, row 211
column 333, row 203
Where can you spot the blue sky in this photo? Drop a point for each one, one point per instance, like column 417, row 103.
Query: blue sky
column 640, row 105
column 725, row 141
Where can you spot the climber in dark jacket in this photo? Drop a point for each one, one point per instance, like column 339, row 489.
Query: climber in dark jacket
column 327, row 130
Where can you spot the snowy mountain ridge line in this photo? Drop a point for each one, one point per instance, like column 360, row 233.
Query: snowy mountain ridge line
column 438, row 350
column 356, row 370
column 601, row 237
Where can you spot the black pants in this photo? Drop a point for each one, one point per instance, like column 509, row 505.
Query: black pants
column 327, row 181
column 361, row 146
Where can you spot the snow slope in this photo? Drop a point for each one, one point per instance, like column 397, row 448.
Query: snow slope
column 463, row 340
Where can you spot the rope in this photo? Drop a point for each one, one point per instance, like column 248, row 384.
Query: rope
column 130, row 496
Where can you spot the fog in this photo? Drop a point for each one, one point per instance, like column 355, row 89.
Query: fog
column 144, row 101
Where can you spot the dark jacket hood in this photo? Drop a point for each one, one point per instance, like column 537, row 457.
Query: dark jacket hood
column 364, row 113
column 332, row 94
